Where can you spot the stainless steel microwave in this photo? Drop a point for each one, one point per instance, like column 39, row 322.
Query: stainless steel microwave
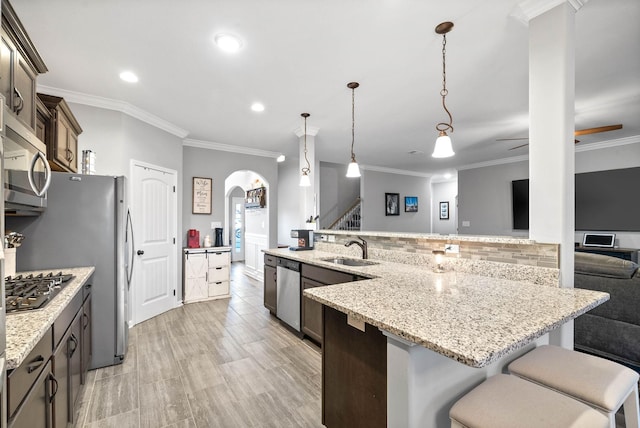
column 25, row 168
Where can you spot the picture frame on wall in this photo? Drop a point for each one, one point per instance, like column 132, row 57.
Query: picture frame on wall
column 392, row 203
column 201, row 196
column 444, row 210
column 411, row 204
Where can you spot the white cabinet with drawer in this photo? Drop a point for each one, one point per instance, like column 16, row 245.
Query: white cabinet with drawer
column 206, row 273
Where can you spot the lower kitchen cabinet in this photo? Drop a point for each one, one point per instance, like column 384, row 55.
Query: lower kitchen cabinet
column 86, row 336
column 270, row 284
column 26, row 385
column 35, row 410
column 206, row 273
column 311, row 311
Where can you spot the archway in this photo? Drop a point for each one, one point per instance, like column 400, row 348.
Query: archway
column 255, row 236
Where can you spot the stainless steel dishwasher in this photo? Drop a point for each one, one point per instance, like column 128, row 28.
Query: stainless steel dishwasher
column 288, row 292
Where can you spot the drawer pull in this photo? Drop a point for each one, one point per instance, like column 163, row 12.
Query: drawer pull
column 35, row 363
column 218, row 268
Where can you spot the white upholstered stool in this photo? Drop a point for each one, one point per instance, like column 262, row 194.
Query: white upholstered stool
column 504, row 401
column 600, row 383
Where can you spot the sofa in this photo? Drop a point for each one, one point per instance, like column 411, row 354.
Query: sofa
column 611, row 330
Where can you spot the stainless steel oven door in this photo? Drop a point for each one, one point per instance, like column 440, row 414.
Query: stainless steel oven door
column 26, row 171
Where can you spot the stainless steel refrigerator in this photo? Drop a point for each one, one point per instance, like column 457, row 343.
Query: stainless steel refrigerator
column 86, row 223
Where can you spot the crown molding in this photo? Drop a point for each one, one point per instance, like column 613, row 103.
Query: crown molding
column 311, row 131
column 526, row 10
column 608, row 144
column 116, row 105
column 201, row 144
column 394, row 171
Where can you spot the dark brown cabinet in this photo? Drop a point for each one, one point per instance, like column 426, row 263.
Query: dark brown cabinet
column 20, row 64
column 86, row 337
column 311, row 311
column 35, row 411
column 31, row 388
column 61, row 134
column 354, row 374
column 61, row 370
column 270, row 284
column 43, row 117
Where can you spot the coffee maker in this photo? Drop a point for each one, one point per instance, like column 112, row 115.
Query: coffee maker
column 304, row 239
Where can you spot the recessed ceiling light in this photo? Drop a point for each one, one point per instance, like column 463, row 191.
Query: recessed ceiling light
column 280, row 158
column 128, row 76
column 258, row 107
column 228, row 43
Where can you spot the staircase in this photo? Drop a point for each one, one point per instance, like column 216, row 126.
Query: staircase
column 350, row 220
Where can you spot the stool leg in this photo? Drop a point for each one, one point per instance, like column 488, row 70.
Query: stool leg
column 631, row 412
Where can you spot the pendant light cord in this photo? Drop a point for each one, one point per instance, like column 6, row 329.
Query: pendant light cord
column 353, row 122
column 444, row 92
column 307, row 170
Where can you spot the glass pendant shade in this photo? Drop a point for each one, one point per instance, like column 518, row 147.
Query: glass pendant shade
column 305, row 181
column 353, row 170
column 443, row 148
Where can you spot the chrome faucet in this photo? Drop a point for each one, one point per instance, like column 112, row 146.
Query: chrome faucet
column 363, row 245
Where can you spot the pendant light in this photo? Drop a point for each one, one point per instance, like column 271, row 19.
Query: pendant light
column 353, row 170
column 305, row 181
column 443, row 147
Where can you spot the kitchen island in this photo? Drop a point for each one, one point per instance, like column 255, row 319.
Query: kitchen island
column 445, row 332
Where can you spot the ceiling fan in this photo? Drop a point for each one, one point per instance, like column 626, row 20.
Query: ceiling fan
column 577, row 133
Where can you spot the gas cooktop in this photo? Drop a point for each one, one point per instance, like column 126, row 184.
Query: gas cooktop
column 30, row 292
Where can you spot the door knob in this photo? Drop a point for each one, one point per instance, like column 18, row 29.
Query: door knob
column 140, row 252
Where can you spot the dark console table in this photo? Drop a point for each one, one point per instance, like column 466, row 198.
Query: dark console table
column 621, row 253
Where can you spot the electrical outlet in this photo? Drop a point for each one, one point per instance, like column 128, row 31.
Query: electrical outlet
column 332, row 238
column 466, row 223
column 452, row 248
column 215, row 224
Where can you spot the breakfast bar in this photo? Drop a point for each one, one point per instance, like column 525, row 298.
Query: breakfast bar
column 441, row 333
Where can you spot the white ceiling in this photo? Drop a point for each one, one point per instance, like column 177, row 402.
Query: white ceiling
column 299, row 55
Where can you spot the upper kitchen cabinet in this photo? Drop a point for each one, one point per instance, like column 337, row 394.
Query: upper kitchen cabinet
column 61, row 134
column 20, row 64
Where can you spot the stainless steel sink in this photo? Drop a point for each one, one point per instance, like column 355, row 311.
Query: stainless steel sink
column 349, row 262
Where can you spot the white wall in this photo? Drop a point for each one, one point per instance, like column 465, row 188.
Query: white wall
column 373, row 186
column 444, row 192
column 337, row 192
column 218, row 165
column 484, row 194
column 288, row 202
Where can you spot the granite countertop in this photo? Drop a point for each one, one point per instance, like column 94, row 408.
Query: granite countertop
column 470, row 318
column 25, row 329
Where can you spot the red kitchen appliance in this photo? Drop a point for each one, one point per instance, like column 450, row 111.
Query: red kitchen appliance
column 193, row 238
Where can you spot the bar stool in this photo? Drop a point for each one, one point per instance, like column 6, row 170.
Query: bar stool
column 602, row 384
column 504, row 401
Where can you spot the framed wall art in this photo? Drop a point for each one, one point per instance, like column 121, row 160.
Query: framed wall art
column 411, row 204
column 392, row 203
column 201, row 197
column 444, row 210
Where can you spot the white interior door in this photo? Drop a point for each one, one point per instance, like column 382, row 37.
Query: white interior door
column 154, row 214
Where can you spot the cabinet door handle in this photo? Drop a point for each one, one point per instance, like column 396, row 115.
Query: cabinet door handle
column 35, row 363
column 53, row 379
column 18, row 108
column 72, row 341
column 86, row 321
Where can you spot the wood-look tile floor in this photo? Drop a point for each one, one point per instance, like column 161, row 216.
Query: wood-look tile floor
column 222, row 363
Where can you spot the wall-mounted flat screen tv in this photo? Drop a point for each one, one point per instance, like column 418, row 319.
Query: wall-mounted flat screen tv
column 605, row 200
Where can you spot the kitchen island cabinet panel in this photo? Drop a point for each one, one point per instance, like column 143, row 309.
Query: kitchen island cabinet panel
column 35, row 411
column 354, row 374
